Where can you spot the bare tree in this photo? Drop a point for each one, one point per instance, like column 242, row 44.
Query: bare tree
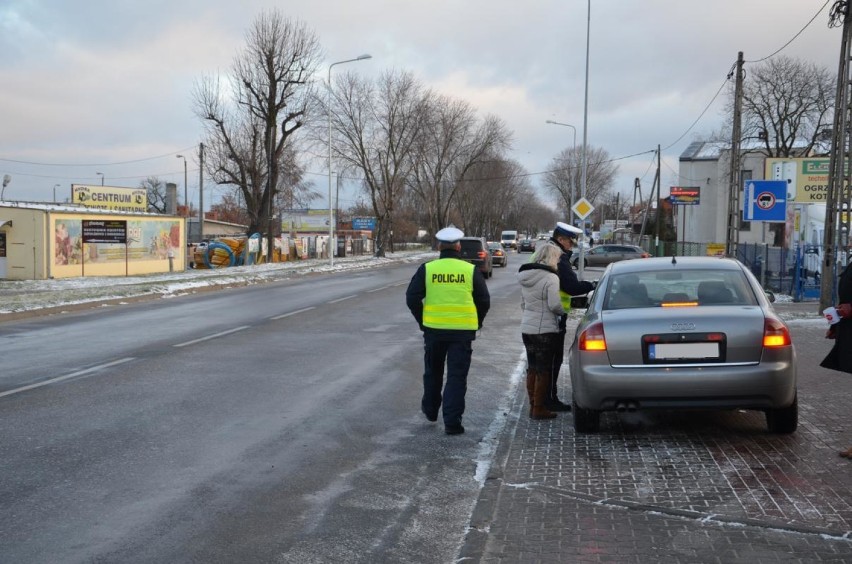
column 452, row 143
column 156, row 190
column 249, row 122
column 566, row 171
column 374, row 127
column 792, row 101
column 497, row 188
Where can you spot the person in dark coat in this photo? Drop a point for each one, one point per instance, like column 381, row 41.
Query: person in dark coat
column 449, row 299
column 565, row 237
column 840, row 356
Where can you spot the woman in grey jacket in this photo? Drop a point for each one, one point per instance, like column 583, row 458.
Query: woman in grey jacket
column 540, row 324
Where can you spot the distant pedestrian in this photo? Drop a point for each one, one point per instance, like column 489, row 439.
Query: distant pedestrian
column 540, row 331
column 840, row 356
column 564, row 238
column 449, row 299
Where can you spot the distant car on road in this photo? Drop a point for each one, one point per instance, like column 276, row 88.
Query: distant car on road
column 475, row 250
column 682, row 333
column 499, row 256
column 603, row 255
column 526, row 246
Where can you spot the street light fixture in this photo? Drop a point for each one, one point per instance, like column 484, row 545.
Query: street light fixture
column 331, row 225
column 574, row 151
column 6, row 180
column 185, row 200
column 102, row 177
column 55, row 186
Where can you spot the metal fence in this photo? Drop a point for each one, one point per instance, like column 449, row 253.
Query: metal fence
column 796, row 271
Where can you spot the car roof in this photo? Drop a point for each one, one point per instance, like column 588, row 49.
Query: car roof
column 658, row 263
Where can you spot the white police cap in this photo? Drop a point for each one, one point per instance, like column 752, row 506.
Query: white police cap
column 565, row 230
column 449, row 235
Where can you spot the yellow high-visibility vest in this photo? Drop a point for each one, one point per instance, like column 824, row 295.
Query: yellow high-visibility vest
column 565, row 298
column 449, row 295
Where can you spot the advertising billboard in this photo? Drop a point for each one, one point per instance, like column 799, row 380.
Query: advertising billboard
column 112, row 198
column 145, row 240
column 685, row 195
column 304, row 221
column 807, row 178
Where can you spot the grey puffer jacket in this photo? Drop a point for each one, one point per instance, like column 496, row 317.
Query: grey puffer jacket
column 539, row 299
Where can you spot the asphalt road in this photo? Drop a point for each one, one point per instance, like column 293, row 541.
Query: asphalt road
column 273, row 423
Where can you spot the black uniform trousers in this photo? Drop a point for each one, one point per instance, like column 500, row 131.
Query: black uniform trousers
column 456, row 354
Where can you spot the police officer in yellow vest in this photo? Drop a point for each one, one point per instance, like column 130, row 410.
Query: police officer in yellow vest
column 565, row 237
column 449, row 299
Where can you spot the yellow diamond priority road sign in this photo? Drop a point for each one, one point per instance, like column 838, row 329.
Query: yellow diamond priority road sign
column 583, row 208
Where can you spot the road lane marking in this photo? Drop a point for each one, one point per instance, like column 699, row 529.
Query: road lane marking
column 379, row 289
column 66, row 377
column 343, row 299
column 283, row 315
column 214, row 336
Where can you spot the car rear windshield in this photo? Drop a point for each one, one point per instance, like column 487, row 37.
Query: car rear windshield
column 470, row 247
column 679, row 288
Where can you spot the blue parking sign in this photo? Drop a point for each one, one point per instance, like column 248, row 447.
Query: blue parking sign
column 765, row 200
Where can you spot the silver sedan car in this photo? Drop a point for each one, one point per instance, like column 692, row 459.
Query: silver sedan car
column 684, row 332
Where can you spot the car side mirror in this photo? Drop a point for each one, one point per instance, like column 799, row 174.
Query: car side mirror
column 770, row 295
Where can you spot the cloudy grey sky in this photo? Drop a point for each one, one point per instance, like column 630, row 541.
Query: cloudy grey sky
column 104, row 85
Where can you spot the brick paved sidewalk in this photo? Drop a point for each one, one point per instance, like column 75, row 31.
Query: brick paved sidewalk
column 677, row 486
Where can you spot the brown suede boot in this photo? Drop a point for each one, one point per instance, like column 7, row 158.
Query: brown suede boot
column 542, row 389
column 531, row 389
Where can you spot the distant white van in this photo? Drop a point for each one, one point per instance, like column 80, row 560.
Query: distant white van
column 509, row 239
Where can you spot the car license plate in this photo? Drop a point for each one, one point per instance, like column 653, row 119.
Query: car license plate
column 680, row 351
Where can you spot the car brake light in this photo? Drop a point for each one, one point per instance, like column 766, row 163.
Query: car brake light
column 593, row 338
column 775, row 334
column 678, row 304
column 482, row 254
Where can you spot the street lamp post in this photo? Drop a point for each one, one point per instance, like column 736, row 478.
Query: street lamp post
column 102, row 177
column 331, row 225
column 581, row 260
column 185, row 200
column 55, row 186
column 573, row 152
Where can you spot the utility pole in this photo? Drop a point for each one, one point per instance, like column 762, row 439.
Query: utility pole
column 836, row 235
column 659, row 201
column 201, row 192
column 732, row 235
column 270, row 190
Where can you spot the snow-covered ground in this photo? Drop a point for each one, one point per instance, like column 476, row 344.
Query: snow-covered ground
column 26, row 295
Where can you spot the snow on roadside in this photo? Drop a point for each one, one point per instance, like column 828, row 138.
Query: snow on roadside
column 26, row 295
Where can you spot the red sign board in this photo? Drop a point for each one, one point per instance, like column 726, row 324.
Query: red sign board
column 685, row 195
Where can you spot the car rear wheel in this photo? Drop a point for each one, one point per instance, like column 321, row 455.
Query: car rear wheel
column 585, row 420
column 783, row 420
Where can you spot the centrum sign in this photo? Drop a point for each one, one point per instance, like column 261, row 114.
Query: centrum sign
column 112, row 198
column 808, row 178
